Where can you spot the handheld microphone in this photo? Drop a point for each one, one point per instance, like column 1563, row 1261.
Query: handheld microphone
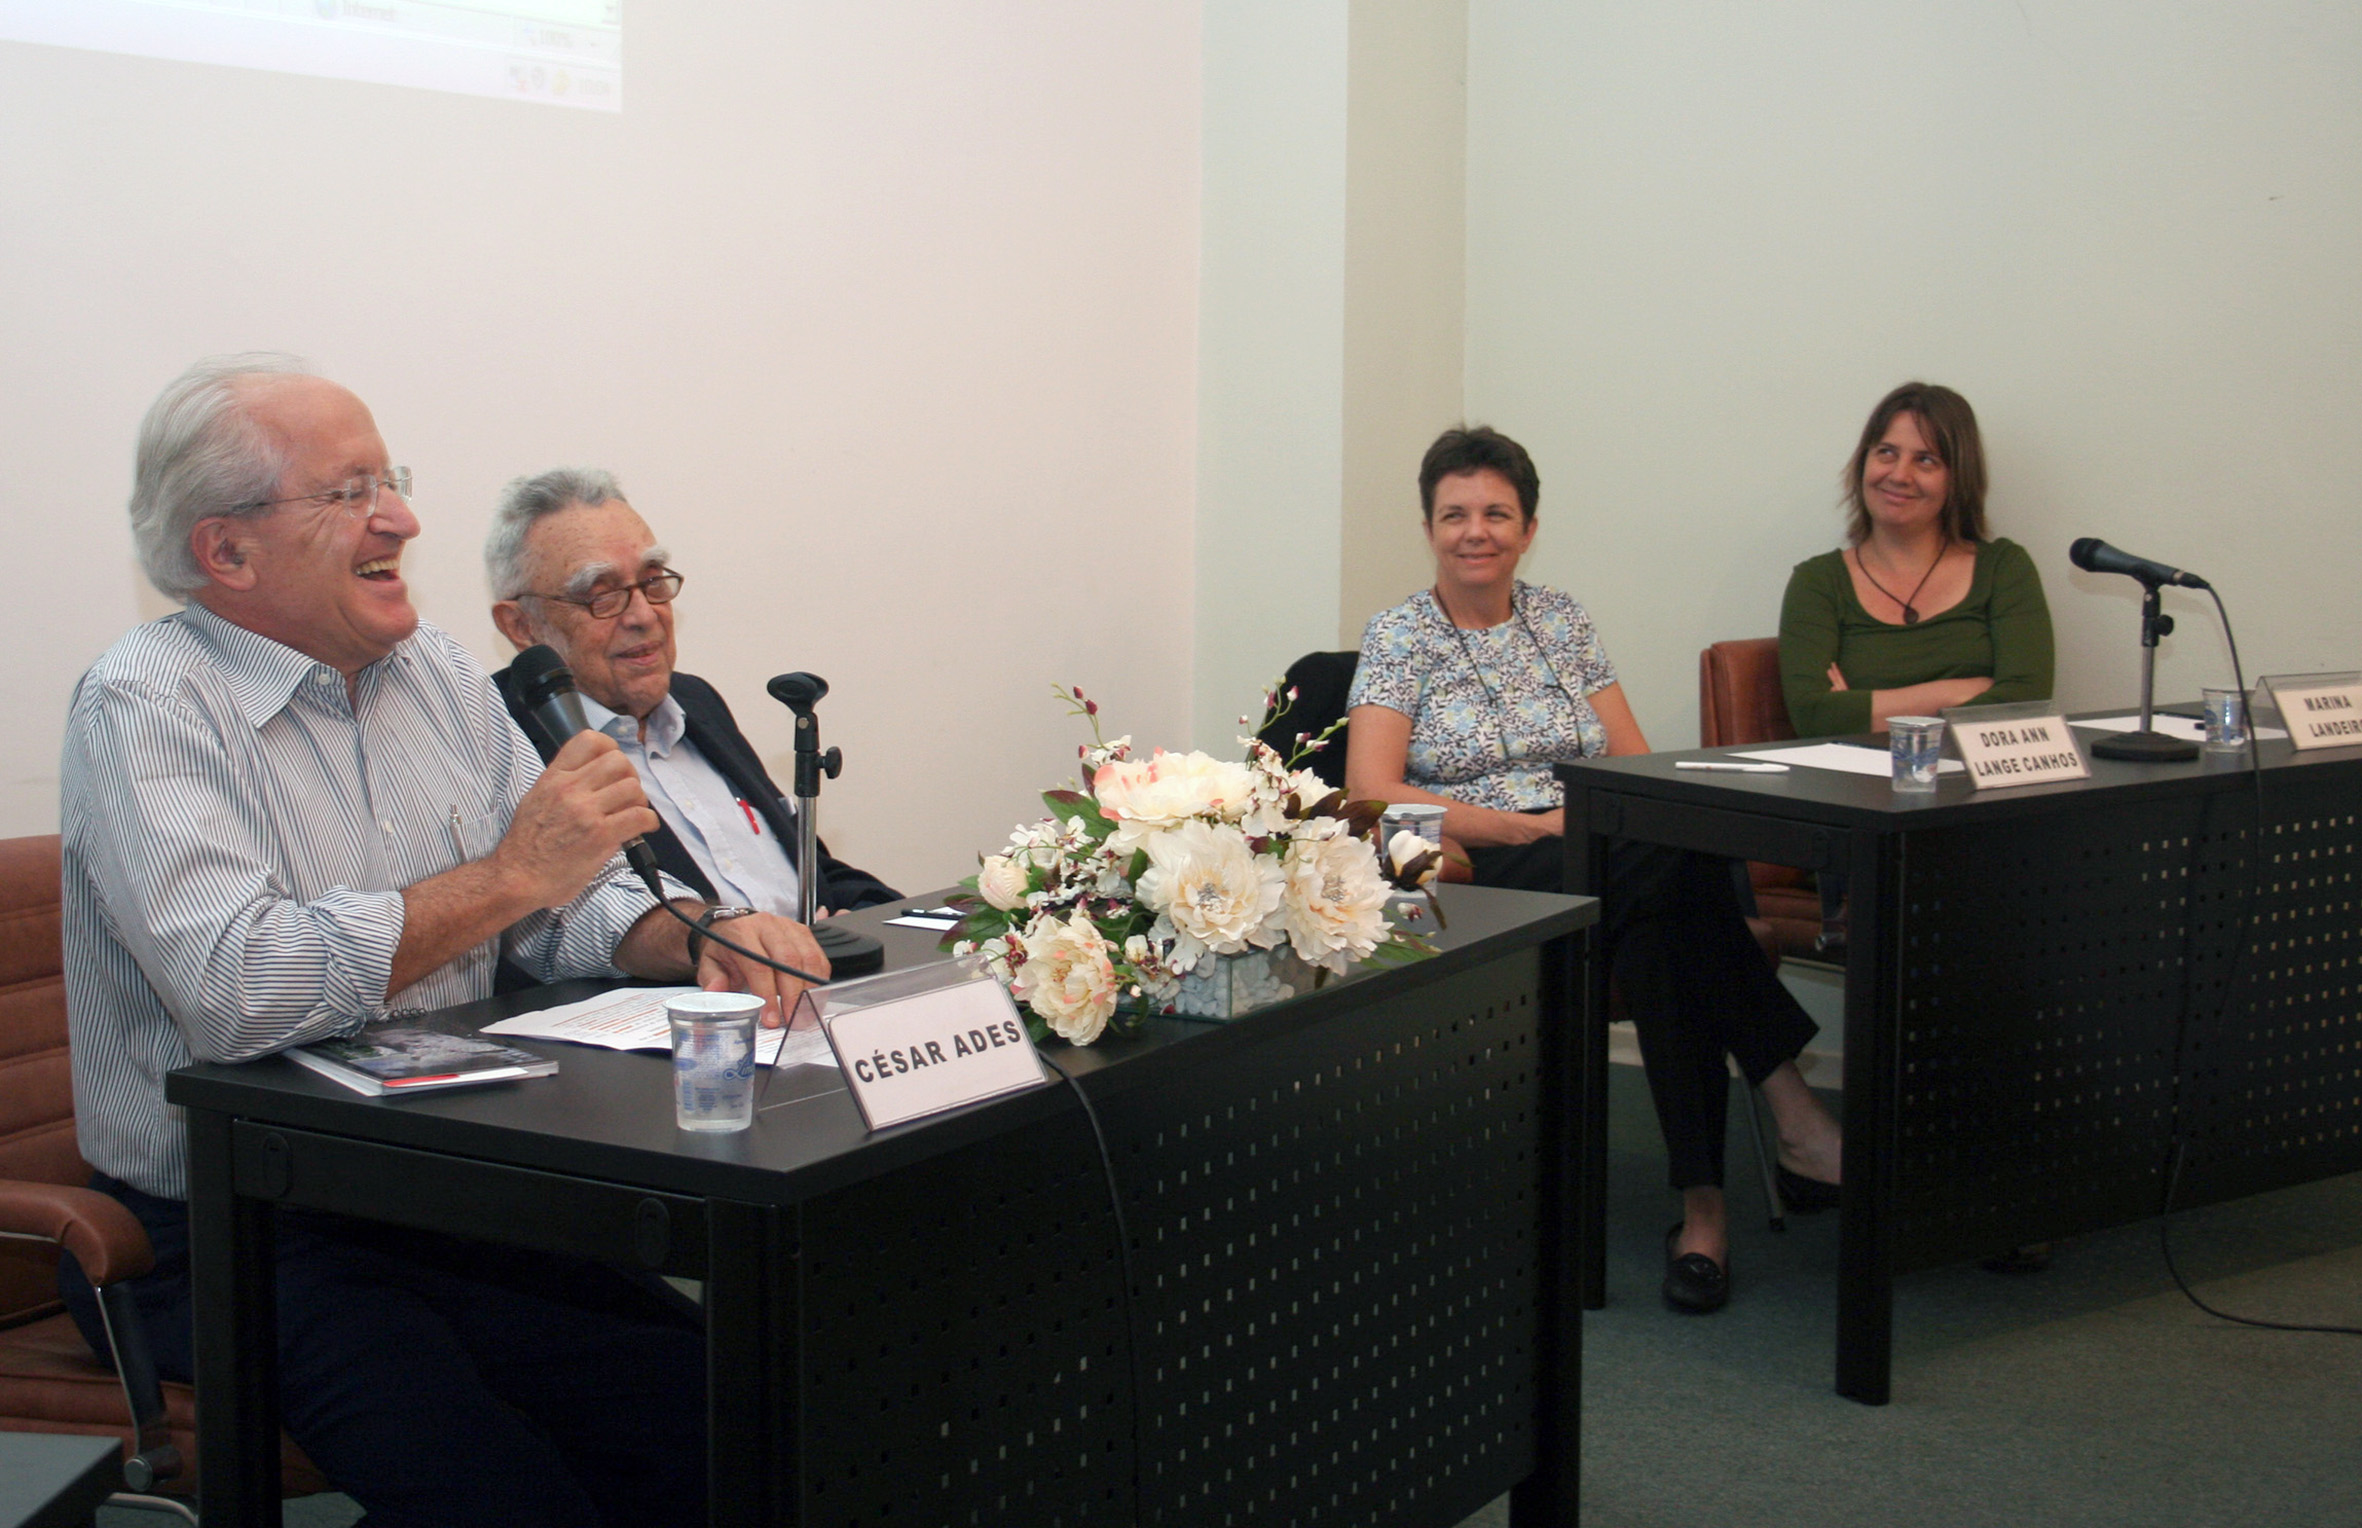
column 2093, row 555
column 547, row 688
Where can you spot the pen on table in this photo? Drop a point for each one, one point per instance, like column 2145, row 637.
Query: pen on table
column 1731, row 769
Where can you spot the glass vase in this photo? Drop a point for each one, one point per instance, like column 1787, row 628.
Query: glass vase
column 1225, row 986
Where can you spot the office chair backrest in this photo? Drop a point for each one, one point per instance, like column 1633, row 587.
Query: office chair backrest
column 1321, row 682
column 36, row 1081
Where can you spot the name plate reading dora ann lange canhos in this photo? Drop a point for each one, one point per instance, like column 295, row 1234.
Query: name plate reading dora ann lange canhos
column 2002, row 747
column 2319, row 710
column 914, row 1043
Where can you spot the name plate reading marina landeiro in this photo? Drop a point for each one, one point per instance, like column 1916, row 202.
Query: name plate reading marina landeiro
column 2320, row 710
column 2016, row 745
column 915, row 1043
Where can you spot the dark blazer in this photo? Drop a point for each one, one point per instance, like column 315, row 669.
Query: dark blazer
column 715, row 732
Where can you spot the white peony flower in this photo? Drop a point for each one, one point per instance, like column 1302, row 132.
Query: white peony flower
column 1144, row 797
column 1004, row 882
column 1220, row 896
column 1334, row 905
column 1068, row 977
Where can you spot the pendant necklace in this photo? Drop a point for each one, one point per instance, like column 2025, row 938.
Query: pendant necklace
column 1910, row 611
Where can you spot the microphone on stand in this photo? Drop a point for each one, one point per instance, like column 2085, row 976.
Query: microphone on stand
column 2148, row 745
column 2093, row 555
column 849, row 953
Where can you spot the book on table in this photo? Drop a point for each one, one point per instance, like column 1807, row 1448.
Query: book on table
column 407, row 1059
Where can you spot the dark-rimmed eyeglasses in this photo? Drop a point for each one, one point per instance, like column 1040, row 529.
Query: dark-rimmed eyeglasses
column 356, row 495
column 659, row 587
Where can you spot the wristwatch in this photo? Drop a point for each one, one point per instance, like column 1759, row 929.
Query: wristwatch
column 705, row 922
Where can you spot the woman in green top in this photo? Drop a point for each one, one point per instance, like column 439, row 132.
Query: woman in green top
column 1920, row 610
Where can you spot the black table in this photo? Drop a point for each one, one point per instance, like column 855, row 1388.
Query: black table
column 2035, row 990
column 56, row 1480
column 1352, row 1299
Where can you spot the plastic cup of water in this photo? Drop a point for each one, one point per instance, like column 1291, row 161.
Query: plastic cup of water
column 1417, row 817
column 713, row 1059
column 1918, row 746
column 2226, row 718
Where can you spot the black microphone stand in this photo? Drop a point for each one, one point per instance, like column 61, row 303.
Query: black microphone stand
column 849, row 953
column 2148, row 745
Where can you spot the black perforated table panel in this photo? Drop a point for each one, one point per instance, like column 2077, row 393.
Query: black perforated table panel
column 2043, row 997
column 1348, row 1215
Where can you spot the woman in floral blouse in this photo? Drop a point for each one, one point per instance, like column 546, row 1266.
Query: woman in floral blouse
column 1466, row 694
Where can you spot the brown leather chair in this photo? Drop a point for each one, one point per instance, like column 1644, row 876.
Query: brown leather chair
column 49, row 1379
column 1740, row 701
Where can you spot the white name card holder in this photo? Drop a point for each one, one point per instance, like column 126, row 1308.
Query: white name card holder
column 2319, row 710
column 2028, row 743
column 917, row 1042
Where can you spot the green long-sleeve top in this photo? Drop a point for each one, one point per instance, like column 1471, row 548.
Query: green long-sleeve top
column 2000, row 629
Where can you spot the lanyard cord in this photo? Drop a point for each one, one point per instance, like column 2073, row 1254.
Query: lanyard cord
column 1468, row 651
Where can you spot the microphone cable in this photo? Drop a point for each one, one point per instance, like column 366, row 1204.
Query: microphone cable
column 1123, row 1251
column 656, row 890
column 2242, row 941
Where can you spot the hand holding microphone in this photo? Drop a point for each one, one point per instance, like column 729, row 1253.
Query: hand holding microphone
column 586, row 805
column 594, row 792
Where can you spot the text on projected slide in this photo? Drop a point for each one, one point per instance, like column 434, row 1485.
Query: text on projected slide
column 560, row 52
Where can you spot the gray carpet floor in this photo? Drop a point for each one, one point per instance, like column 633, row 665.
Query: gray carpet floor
column 2092, row 1394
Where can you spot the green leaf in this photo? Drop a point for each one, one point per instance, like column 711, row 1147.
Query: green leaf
column 1068, row 806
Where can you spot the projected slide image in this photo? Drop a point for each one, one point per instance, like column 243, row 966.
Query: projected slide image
column 560, row 52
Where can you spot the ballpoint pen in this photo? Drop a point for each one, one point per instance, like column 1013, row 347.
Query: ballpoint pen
column 1721, row 767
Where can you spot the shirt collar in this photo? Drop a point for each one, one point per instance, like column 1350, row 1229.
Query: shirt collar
column 263, row 673
column 665, row 725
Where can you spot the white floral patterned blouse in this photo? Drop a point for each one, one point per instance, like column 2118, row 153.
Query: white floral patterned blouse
column 1490, row 710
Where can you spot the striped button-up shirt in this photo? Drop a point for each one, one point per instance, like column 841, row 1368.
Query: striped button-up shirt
column 237, row 836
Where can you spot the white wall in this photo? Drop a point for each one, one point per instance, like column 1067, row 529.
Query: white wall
column 1270, row 352
column 885, row 315
column 1406, row 283
column 1704, row 238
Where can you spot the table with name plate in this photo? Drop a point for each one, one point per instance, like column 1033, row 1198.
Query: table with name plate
column 2036, row 982
column 1351, row 1294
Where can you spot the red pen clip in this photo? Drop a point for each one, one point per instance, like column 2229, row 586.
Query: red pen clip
column 752, row 820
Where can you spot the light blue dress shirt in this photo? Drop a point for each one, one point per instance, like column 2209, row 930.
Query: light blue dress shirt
column 727, row 837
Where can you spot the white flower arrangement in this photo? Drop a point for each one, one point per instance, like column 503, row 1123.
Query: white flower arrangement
column 1165, row 864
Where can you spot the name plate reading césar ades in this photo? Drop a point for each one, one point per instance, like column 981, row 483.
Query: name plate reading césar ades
column 2320, row 710
column 2016, row 745
column 915, row 1043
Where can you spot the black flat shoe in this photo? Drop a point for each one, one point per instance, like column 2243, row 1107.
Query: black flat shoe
column 1807, row 1196
column 1695, row 1284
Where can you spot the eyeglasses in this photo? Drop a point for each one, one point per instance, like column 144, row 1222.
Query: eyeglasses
column 607, row 604
column 356, row 496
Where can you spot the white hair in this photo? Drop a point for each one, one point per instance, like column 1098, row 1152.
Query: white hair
column 201, row 455
column 524, row 501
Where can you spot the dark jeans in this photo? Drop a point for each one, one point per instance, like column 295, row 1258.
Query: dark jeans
column 1694, row 982
column 443, row 1383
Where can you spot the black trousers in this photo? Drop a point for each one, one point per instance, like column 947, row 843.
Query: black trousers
column 443, row 1383
column 1693, row 980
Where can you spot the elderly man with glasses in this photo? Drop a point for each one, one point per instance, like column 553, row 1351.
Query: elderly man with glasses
column 286, row 807
column 573, row 565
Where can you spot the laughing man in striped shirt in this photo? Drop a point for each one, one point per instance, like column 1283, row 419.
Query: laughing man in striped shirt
column 286, row 807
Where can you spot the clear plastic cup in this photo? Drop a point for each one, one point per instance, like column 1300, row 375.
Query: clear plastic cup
column 2226, row 718
column 714, row 1059
column 1417, row 817
column 1918, row 747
